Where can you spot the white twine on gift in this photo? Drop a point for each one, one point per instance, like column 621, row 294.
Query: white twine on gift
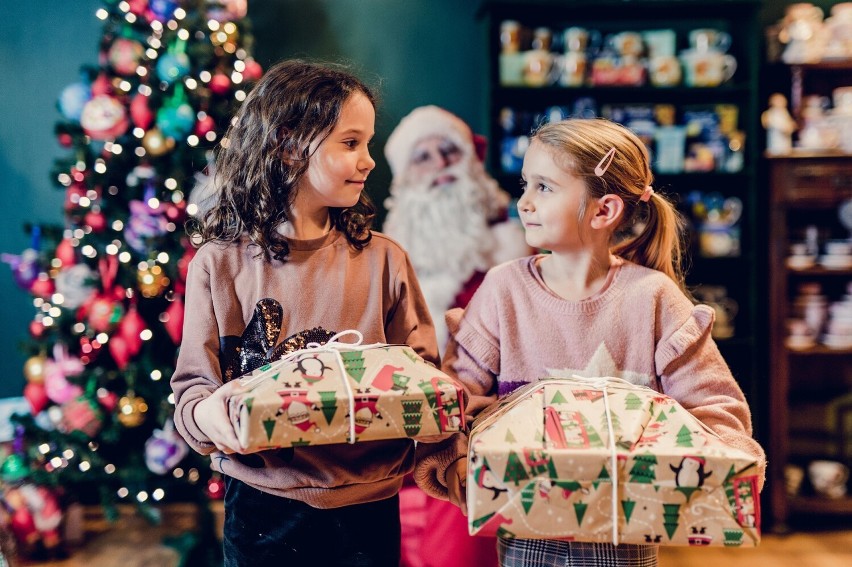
column 332, row 346
column 601, row 384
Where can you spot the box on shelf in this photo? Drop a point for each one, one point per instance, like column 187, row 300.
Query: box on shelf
column 342, row 392
column 542, row 466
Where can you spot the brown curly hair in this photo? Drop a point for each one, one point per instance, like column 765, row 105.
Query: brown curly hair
column 294, row 104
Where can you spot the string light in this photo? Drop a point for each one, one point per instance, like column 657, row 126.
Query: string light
column 158, row 494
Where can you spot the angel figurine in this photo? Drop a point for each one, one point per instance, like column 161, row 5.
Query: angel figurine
column 779, row 125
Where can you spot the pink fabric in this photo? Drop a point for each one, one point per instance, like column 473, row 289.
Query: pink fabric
column 434, row 534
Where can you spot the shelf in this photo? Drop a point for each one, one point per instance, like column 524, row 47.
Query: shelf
column 819, row 350
column 817, row 505
column 819, row 271
column 545, row 96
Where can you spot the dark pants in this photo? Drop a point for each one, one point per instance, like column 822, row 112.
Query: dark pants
column 262, row 529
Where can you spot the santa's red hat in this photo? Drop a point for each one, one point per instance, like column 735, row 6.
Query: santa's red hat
column 423, row 122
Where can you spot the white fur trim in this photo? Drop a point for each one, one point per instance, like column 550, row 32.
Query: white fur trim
column 421, row 123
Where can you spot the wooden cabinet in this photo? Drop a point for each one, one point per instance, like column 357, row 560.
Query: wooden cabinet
column 737, row 274
column 810, row 378
column 810, row 384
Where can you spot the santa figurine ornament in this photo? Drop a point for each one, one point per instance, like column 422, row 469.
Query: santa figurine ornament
column 444, row 208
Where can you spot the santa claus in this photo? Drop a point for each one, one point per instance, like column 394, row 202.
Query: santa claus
column 446, row 210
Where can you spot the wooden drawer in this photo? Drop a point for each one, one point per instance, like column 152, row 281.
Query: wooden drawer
column 813, row 181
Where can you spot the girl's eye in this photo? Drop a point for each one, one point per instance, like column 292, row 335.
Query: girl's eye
column 543, row 188
column 351, row 143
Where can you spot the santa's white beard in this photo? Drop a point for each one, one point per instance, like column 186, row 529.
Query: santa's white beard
column 446, row 232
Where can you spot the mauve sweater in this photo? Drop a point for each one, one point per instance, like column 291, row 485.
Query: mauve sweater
column 639, row 327
column 324, row 283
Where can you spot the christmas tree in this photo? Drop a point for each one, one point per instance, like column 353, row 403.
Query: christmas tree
column 139, row 130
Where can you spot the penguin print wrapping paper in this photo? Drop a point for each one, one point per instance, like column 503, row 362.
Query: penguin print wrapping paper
column 345, row 393
column 542, row 464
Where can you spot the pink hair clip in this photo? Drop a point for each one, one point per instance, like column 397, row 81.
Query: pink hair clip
column 601, row 168
column 646, row 194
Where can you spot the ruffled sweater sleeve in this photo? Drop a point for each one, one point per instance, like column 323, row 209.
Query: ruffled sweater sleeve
column 693, row 372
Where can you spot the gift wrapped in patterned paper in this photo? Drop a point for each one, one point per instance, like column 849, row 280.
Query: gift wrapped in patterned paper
column 343, row 393
column 543, row 465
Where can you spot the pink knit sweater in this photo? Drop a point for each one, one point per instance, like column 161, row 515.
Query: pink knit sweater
column 639, row 327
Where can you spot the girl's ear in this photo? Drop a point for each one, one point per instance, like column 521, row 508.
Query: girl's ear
column 607, row 211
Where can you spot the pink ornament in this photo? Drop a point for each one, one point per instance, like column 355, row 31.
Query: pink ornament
column 56, row 371
column 220, row 84
column 140, row 112
column 73, row 194
column 204, row 125
column 43, row 286
column 124, row 55
column 120, row 351
column 66, row 253
column 130, row 327
column 174, row 322
column 96, row 221
column 36, row 395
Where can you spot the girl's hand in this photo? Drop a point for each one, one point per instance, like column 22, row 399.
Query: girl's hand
column 211, row 416
column 456, row 481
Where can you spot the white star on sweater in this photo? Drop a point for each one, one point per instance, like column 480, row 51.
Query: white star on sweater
column 602, row 364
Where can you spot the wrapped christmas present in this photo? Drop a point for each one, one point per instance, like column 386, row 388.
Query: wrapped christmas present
column 604, row 460
column 344, row 392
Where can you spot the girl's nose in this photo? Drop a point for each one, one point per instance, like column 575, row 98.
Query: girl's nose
column 368, row 163
column 523, row 204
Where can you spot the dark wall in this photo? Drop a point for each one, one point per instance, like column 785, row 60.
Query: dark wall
column 419, row 52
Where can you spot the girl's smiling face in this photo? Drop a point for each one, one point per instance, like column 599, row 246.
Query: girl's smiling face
column 553, row 204
column 339, row 167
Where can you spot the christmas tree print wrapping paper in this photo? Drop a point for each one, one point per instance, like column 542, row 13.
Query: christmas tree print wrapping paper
column 345, row 393
column 541, row 466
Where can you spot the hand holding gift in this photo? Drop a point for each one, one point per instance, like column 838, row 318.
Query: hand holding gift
column 344, row 392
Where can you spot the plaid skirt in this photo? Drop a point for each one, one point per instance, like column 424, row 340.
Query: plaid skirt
column 555, row 553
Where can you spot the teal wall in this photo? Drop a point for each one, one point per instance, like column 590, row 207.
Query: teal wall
column 420, row 52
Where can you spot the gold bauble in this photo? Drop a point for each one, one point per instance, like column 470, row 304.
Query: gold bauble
column 152, row 281
column 132, row 410
column 34, row 368
column 156, row 144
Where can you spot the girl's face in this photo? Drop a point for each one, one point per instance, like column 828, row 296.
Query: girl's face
column 340, row 165
column 551, row 204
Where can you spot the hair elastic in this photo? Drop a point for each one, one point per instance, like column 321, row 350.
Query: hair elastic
column 600, row 169
column 646, row 194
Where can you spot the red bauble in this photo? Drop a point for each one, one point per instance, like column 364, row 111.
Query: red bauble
column 96, row 220
column 216, row 488
column 140, row 112
column 36, row 329
column 176, row 212
column 120, row 351
column 204, row 125
column 101, row 86
column 253, row 70
column 65, row 139
column 103, row 313
column 43, row 287
column 73, row 194
column 36, row 395
column 220, row 84
column 107, row 399
column 174, row 323
column 66, row 253
column 81, row 414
